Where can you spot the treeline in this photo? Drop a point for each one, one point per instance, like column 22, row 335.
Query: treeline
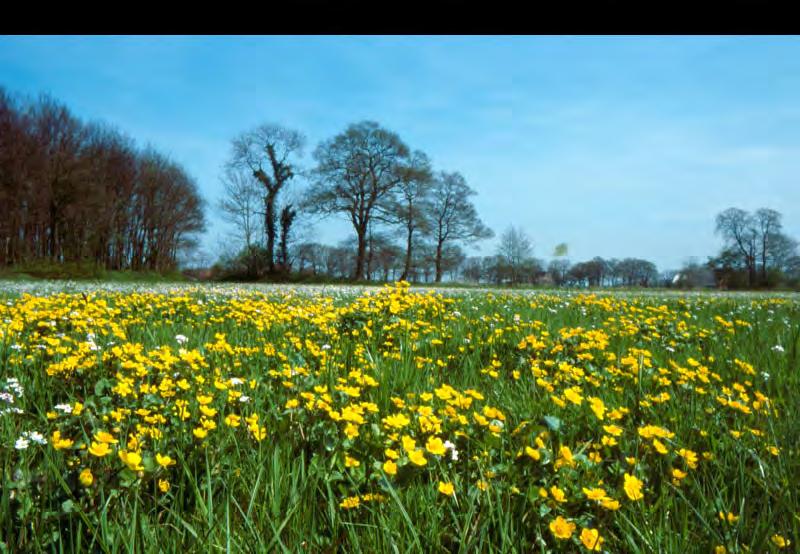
column 72, row 191
column 385, row 261
column 412, row 222
column 367, row 175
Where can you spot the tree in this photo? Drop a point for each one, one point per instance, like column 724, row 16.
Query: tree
column 453, row 215
column 411, row 207
column 637, row 272
column 288, row 215
column 771, row 239
column 738, row 229
column 472, row 269
column 270, row 153
column 240, row 206
column 558, row 270
column 357, row 172
column 514, row 249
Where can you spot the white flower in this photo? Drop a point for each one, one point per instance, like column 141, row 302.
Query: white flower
column 452, row 448
column 765, row 375
column 326, row 346
column 66, row 408
column 244, row 398
column 670, row 349
column 21, row 444
column 236, row 381
column 181, row 339
column 36, row 437
column 778, row 348
column 7, row 397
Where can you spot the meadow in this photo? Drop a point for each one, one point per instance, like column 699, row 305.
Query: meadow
column 334, row 419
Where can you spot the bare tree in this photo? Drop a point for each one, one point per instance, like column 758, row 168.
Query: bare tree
column 71, row 192
column 514, row 249
column 241, row 206
column 738, row 229
column 357, row 172
column 411, row 207
column 270, row 153
column 453, row 215
column 768, row 225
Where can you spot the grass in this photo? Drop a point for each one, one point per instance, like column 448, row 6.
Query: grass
column 528, row 389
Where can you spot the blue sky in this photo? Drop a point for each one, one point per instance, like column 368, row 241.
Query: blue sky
column 618, row 146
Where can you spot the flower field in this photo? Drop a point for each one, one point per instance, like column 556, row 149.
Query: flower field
column 398, row 420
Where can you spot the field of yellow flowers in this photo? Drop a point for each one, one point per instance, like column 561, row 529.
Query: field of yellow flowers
column 398, row 420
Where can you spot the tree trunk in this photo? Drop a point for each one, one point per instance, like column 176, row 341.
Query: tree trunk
column 361, row 253
column 269, row 227
column 407, row 267
column 439, row 262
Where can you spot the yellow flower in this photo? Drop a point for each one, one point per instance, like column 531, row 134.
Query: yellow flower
column 199, row 432
column 558, row 494
column 99, row 449
column 659, row 446
column 163, row 485
column 59, row 442
column 409, row 444
column 533, row 453
column 390, row 467
column 104, row 437
column 594, row 494
column 633, row 487
column 86, row 478
column 259, row 433
column 396, row 421
column 417, row 457
column 164, row 461
column 780, row 541
column 435, row 446
column 350, row 462
column 564, row 458
column 598, row 407
column 446, row 488
column 131, row 459
column 233, row 420
column 613, row 430
column 351, row 431
column 689, row 456
column 561, row 528
column 350, row 502
column 591, row 539
column 391, row 454
column 610, row 504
